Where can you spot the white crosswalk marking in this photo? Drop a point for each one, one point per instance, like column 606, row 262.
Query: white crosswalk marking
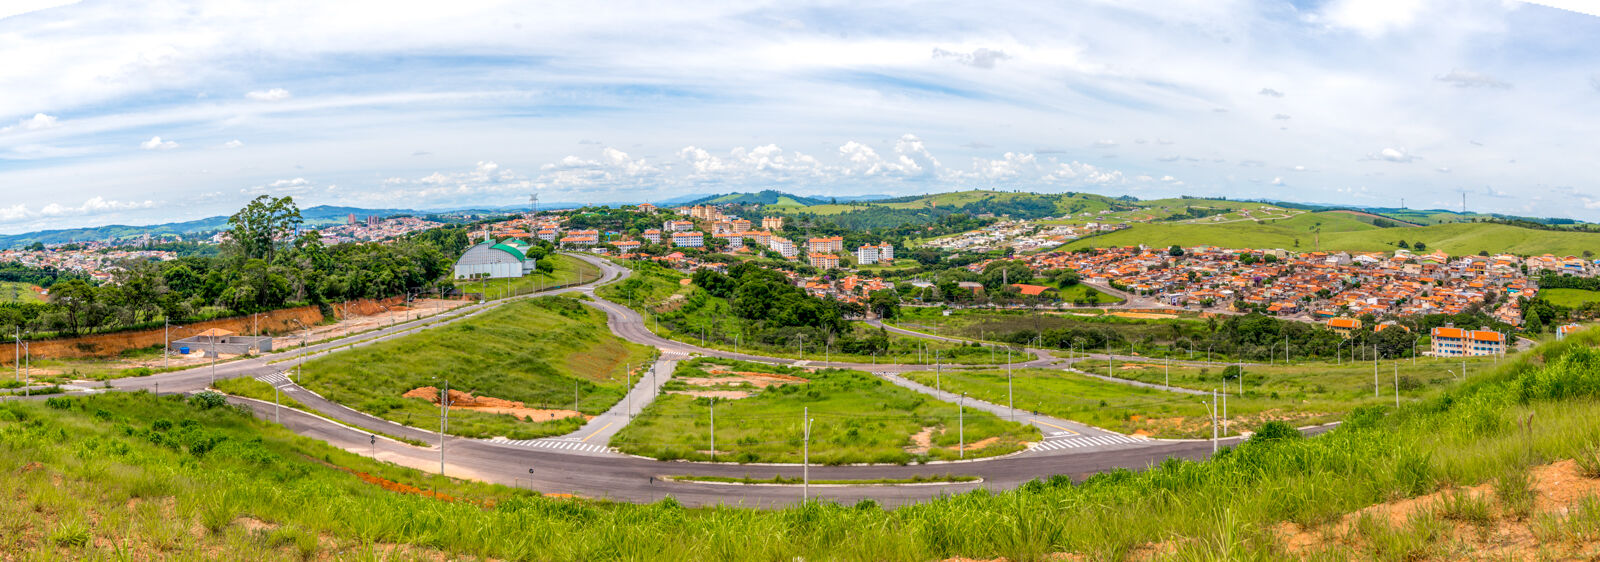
column 557, row 444
column 1079, row 441
column 274, row 379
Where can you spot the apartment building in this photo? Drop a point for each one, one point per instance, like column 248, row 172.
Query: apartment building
column 677, row 226
column 653, row 235
column 771, row 223
column 867, row 254
column 1344, row 326
column 783, row 246
column 823, row 261
column 1450, row 341
column 688, row 239
column 829, row 244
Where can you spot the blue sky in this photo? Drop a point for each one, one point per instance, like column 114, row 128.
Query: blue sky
column 163, row 110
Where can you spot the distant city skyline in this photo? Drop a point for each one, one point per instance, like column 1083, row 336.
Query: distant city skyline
column 167, row 111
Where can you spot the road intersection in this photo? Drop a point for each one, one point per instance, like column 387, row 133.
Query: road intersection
column 580, row 463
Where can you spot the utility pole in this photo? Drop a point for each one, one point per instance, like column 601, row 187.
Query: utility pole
column 629, row 391
column 1397, row 386
column 166, row 343
column 444, row 415
column 575, row 395
column 805, row 462
column 713, row 429
column 1011, row 402
column 937, row 368
column 276, row 417
column 961, row 425
column 1213, row 421
column 1374, row 370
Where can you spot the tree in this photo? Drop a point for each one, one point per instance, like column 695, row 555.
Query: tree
column 1419, row 246
column 1403, row 244
column 885, row 303
column 76, row 298
column 1175, row 251
column 257, row 227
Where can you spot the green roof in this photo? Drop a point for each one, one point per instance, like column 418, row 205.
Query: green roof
column 510, row 250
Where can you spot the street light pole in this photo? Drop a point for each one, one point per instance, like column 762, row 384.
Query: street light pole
column 1011, row 402
column 805, row 462
column 713, row 429
column 444, row 415
column 961, row 425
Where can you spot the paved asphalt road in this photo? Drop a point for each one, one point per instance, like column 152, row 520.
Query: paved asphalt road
column 634, row 479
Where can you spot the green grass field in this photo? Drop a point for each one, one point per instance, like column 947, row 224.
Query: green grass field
column 537, row 351
column 11, row 291
column 1343, row 232
column 117, row 475
column 986, row 324
column 858, row 418
column 1570, row 298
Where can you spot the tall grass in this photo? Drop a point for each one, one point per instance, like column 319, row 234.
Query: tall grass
column 545, row 352
column 96, row 453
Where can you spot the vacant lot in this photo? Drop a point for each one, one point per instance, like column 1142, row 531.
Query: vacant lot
column 1570, row 298
column 759, row 408
column 11, row 291
column 992, row 324
column 543, row 352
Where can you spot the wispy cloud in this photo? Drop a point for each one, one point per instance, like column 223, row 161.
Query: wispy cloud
column 1468, row 79
column 275, row 94
column 155, row 143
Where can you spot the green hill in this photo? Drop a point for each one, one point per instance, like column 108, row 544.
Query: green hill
column 1345, row 232
column 766, row 197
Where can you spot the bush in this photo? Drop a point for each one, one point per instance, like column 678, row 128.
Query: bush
column 1274, row 431
column 58, row 402
column 208, row 400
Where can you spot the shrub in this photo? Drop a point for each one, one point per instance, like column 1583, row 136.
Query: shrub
column 1274, row 431
column 208, row 400
column 58, row 402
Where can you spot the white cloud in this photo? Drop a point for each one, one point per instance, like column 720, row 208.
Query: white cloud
column 1391, row 154
column 1280, row 117
column 155, row 143
column 978, row 58
column 1371, row 17
column 275, row 94
column 1469, row 79
column 93, row 206
column 1277, row 181
column 38, row 122
column 1271, row 93
column 235, row 143
column 290, row 186
column 1442, row 170
column 1105, row 143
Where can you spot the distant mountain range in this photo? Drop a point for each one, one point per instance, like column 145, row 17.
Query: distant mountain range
column 324, row 215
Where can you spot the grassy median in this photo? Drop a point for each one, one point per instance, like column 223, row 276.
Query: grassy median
column 858, row 418
column 544, row 353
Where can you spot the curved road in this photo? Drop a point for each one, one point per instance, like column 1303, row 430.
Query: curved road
column 580, row 464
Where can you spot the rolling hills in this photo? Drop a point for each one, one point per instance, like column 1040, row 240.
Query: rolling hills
column 1345, row 232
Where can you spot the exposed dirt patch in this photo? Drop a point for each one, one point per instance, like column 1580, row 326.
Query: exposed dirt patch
column 723, row 394
column 253, row 525
column 1558, row 489
column 981, row 444
column 1145, row 315
column 492, row 405
column 922, row 441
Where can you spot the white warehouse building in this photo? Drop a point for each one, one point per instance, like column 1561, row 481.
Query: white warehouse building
column 494, row 260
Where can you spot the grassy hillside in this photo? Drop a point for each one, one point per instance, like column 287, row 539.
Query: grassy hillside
column 116, row 476
column 1345, row 232
column 859, row 418
column 11, row 291
column 1570, row 298
column 535, row 351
